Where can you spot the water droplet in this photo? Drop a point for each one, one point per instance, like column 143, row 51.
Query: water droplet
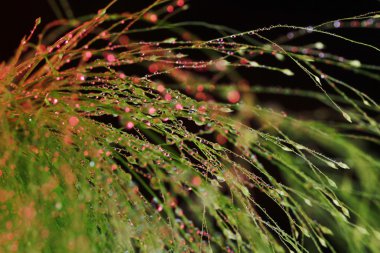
column 233, row 96
column 129, row 125
column 73, row 121
column 178, row 107
column 288, row 72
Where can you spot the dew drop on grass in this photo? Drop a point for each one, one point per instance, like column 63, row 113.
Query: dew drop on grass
column 110, row 57
column 233, row 96
column 244, row 190
column 151, row 110
column 170, row 9
column 288, row 72
column 345, row 211
column 254, row 64
column 362, row 230
column 332, row 183
column 129, row 125
column 178, row 106
column 322, row 242
column 308, row 202
column 331, row 164
column 355, row 63
column 196, row 181
column 216, row 146
column 285, row 148
column 337, row 24
column 226, row 109
column 343, row 165
column 336, row 202
column 347, row 117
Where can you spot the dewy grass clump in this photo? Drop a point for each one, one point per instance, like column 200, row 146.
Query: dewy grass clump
column 126, row 133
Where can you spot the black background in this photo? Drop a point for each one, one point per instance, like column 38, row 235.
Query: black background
column 17, row 16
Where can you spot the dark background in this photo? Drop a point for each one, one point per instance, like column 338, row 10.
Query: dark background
column 17, row 16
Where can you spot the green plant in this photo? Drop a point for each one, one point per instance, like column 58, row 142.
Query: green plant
column 177, row 156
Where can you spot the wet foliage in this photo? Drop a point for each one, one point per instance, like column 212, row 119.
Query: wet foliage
column 124, row 132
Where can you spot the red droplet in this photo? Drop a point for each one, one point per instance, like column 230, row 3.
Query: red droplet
column 180, row 3
column 221, row 139
column 170, row 8
column 202, row 109
column 201, row 96
column 153, row 68
column 168, row 97
column 233, row 96
column 73, row 121
column 244, row 61
column 196, row 181
column 124, row 40
column 135, row 79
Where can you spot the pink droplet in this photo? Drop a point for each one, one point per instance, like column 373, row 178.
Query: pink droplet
column 151, row 110
column 153, row 18
column 160, row 88
column 129, row 125
column 110, row 58
column 168, row 97
column 122, row 75
column 87, row 55
column 81, row 77
column 178, row 107
column 73, row 121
